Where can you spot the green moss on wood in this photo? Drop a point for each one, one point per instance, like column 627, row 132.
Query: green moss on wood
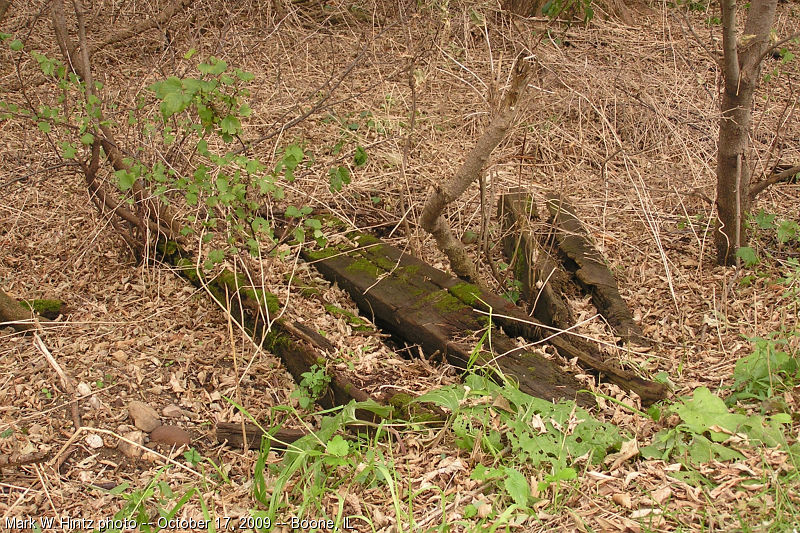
column 466, row 293
column 365, row 239
column 188, row 270
column 234, row 282
column 401, row 400
column 277, row 342
column 444, row 302
column 406, row 409
column 324, row 253
column 263, row 298
column 364, row 265
column 47, row 308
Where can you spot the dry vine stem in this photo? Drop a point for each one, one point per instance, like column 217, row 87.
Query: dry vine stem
column 431, row 219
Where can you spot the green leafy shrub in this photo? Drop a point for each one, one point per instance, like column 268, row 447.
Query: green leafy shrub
column 706, row 428
column 765, row 373
column 535, row 429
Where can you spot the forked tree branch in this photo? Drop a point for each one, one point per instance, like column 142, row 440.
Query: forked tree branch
column 442, row 195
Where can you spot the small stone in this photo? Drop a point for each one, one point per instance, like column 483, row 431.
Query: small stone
column 84, row 389
column 172, row 411
column 171, row 435
column 130, row 449
column 94, row 441
column 144, row 416
column 120, row 356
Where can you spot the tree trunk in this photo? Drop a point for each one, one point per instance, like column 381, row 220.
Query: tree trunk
column 4, row 5
column 741, row 71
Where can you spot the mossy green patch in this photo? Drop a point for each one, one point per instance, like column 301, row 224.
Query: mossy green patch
column 263, row 298
column 364, row 239
column 407, row 274
column 401, row 400
column 406, row 409
column 442, row 301
column 277, row 342
column 47, row 308
column 188, row 270
column 377, row 256
column 466, row 293
column 309, row 291
column 324, row 253
column 234, row 282
column 411, row 270
column 364, row 265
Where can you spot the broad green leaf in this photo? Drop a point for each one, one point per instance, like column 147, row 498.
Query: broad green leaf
column 125, row 179
column 69, row 150
column 293, row 212
column 517, row 486
column 244, row 76
column 565, row 474
column 216, row 256
column 788, row 230
column 173, row 103
column 764, row 219
column 704, row 410
column 449, row 397
column 360, row 157
column 338, row 446
column 748, row 255
column 230, row 125
column 338, row 176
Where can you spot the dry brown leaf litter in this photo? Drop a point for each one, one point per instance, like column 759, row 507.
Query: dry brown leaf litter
column 623, row 120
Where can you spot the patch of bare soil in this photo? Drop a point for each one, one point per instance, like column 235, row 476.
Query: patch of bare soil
column 622, row 119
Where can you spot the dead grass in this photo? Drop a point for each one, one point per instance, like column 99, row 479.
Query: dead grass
column 620, row 118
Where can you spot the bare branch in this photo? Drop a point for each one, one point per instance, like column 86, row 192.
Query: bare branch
column 758, row 188
column 780, row 43
column 714, row 57
column 153, row 22
column 431, row 219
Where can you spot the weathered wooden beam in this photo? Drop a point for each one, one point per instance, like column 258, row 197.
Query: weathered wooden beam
column 232, row 433
column 586, row 263
column 517, row 323
column 544, row 281
column 425, row 306
column 22, row 316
